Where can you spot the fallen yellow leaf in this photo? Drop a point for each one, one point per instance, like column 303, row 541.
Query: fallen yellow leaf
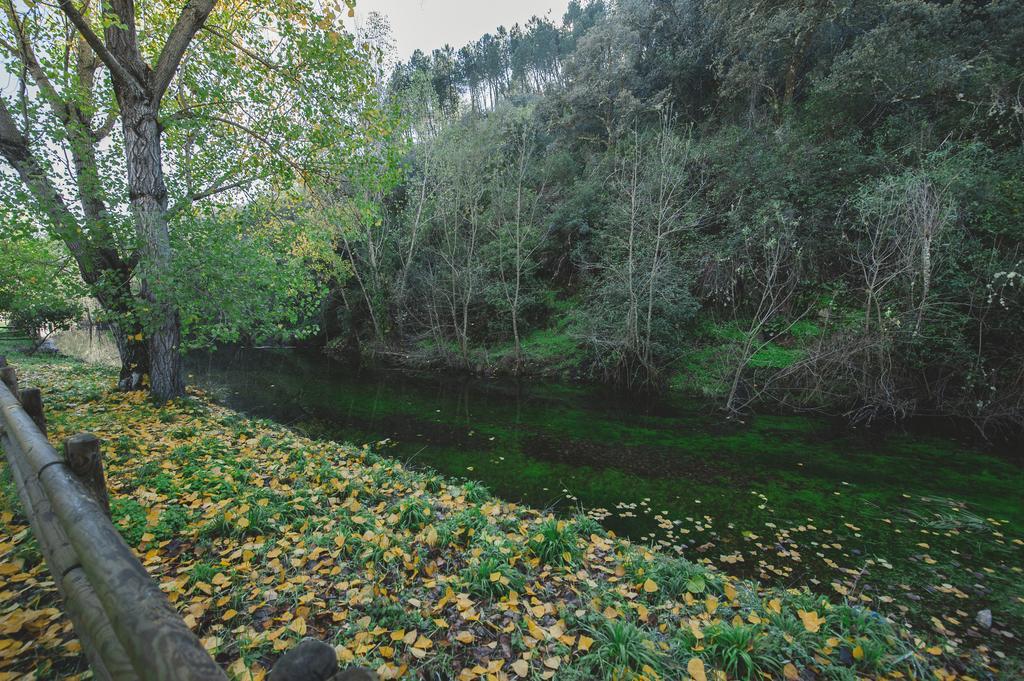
column 730, row 591
column 812, row 622
column 696, row 669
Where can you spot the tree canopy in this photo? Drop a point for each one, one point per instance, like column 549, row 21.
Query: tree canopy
column 808, row 204
column 133, row 128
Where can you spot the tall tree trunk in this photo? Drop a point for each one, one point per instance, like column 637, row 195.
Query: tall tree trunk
column 149, row 207
column 134, row 356
column 802, row 46
column 138, row 89
column 110, row 280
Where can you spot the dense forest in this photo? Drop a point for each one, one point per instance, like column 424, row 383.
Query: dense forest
column 746, row 255
column 813, row 205
column 788, row 205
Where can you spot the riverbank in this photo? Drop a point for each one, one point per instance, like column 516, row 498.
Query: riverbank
column 782, row 499
column 261, row 536
column 779, row 377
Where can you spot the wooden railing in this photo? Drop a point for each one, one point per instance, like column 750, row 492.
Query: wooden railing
column 128, row 629
column 126, row 625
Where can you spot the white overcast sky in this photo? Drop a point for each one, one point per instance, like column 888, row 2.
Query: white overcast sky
column 427, row 24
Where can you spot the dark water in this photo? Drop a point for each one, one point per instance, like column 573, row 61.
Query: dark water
column 768, row 497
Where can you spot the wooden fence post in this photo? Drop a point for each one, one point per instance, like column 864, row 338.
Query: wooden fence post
column 127, row 627
column 158, row 644
column 82, row 452
column 32, row 403
column 107, row 657
column 10, row 378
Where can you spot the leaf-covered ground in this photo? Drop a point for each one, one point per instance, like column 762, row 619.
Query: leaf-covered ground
column 260, row 537
column 784, row 499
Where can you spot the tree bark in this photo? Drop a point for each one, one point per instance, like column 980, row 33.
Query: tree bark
column 134, row 356
column 149, row 207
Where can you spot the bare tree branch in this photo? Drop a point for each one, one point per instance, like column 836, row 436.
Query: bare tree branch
column 14, row 147
column 213, row 30
column 100, row 133
column 119, row 70
column 191, row 19
column 262, row 139
column 213, row 190
column 24, row 52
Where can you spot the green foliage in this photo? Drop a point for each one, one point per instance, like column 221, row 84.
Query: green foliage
column 476, row 492
column 209, row 222
column 804, row 330
column 741, row 651
column 460, row 529
column 245, row 271
column 556, row 543
column 413, row 514
column 678, row 577
column 622, row 650
column 39, row 285
column 774, row 356
column 129, row 517
column 885, row 165
column 491, row 575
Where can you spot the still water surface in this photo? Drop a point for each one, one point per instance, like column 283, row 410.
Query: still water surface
column 667, row 471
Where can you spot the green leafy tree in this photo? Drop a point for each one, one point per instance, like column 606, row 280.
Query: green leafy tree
column 641, row 299
column 40, row 291
column 516, row 234
column 157, row 111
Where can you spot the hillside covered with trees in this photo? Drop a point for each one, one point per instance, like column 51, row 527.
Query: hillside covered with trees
column 809, row 204
column 708, row 215
column 783, row 205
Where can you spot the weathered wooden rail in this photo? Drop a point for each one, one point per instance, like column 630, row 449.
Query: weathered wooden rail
column 126, row 625
column 128, row 629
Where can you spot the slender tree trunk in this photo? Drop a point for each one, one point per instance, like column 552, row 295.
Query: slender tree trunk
column 520, row 180
column 149, row 206
column 632, row 318
column 926, row 276
column 734, row 386
column 803, row 44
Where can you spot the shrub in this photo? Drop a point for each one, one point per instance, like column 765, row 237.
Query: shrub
column 740, row 651
column 491, row 576
column 556, row 543
column 621, row 649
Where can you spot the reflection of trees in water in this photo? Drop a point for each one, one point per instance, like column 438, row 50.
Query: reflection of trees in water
column 649, row 462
